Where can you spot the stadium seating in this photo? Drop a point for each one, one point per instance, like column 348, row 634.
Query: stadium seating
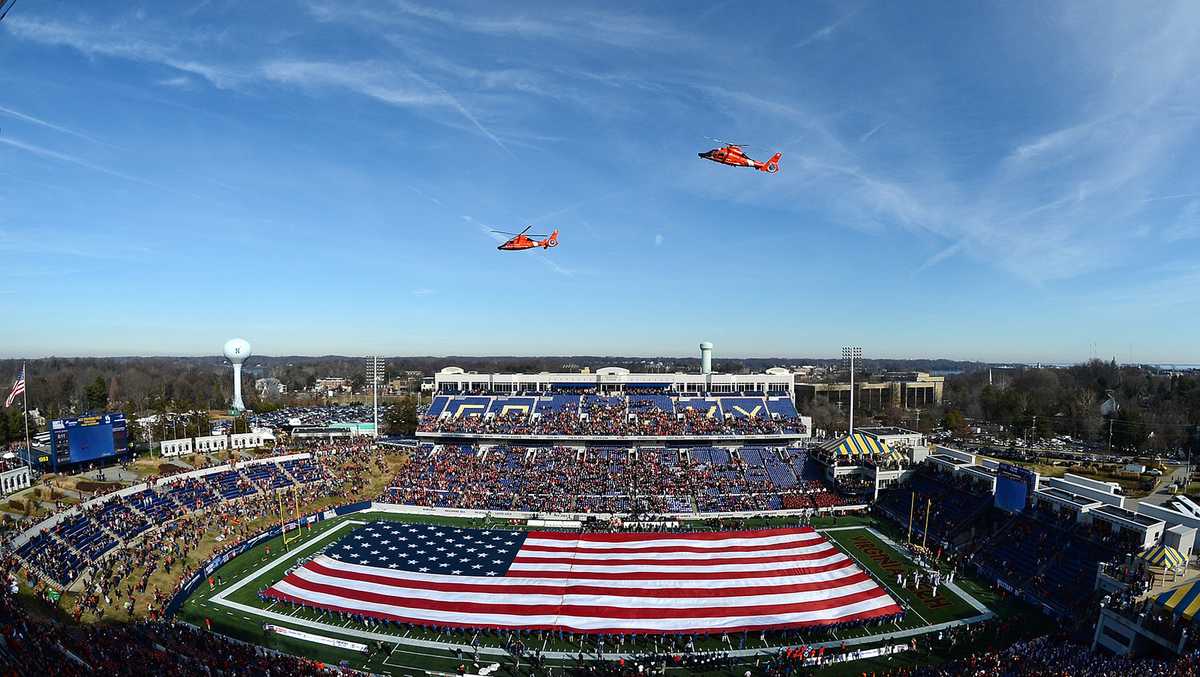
column 157, row 506
column 79, row 540
column 438, row 406
column 640, row 403
column 230, row 484
column 512, row 406
column 952, row 509
column 1055, row 562
column 85, row 537
column 782, row 407
column 646, row 412
column 709, row 407
column 744, row 407
column 119, row 516
column 607, row 479
column 549, row 404
column 303, row 470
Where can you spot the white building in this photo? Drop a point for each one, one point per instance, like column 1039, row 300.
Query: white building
column 615, row 380
column 14, row 479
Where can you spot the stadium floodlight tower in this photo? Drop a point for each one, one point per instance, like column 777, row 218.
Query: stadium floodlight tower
column 851, row 353
column 237, row 351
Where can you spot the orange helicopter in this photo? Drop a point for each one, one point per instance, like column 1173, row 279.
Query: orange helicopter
column 733, row 154
column 521, row 241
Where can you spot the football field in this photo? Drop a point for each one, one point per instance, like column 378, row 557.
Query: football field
column 233, row 607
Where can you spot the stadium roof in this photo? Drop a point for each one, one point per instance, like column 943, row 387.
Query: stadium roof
column 949, row 459
column 1069, row 498
column 1129, row 515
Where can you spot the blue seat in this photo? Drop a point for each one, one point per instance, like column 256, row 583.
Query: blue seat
column 782, row 406
column 744, row 407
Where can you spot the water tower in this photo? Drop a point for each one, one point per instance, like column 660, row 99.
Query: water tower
column 237, row 351
column 706, row 358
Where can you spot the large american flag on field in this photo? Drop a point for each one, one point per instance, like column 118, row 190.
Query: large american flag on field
column 17, row 389
column 607, row 582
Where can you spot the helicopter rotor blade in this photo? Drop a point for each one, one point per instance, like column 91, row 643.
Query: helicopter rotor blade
column 727, row 143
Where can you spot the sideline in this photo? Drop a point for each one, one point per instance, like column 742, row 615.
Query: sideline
column 286, row 559
column 881, row 580
column 966, row 596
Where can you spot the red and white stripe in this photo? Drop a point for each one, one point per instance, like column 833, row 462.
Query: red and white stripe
column 616, row 583
column 17, row 389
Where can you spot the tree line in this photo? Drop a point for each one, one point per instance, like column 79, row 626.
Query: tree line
column 1158, row 410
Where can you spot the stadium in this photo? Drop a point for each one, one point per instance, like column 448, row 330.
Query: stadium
column 595, row 522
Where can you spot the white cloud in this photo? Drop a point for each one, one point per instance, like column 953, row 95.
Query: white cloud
column 74, row 160
column 658, row 239
column 826, row 31
column 179, row 81
column 119, row 43
column 423, row 291
column 49, row 125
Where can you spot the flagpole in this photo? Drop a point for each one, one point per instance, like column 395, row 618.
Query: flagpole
column 25, row 402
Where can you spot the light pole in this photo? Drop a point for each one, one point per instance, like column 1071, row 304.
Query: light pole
column 375, row 373
column 851, row 353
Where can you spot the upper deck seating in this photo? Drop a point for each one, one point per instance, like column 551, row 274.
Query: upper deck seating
column 744, row 407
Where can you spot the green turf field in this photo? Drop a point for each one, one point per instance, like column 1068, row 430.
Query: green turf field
column 234, row 609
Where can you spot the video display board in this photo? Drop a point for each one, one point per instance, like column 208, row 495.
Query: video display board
column 87, row 438
column 1014, row 487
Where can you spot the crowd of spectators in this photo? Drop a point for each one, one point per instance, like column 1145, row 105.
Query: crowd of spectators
column 116, row 546
column 1056, row 657
column 605, row 480
column 36, row 646
column 612, row 416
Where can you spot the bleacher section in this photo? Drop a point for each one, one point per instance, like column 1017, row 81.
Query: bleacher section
column 782, row 407
column 157, row 506
column 953, row 508
column 85, row 537
column 1052, row 561
column 640, row 403
column 52, row 557
column 708, row 407
column 438, row 405
column 267, row 476
column 121, row 518
column 646, row 412
column 744, row 407
column 304, row 470
column 608, row 479
column 590, row 401
column 512, row 406
column 230, row 484
column 467, row 406
column 549, row 404
column 62, row 552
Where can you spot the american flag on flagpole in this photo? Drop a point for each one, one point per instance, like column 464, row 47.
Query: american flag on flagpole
column 598, row 583
column 17, row 389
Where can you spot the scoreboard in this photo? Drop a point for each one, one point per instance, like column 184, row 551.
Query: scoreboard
column 87, row 438
column 1014, row 487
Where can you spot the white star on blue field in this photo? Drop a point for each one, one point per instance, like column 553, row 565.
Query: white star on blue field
column 997, row 181
column 429, row 548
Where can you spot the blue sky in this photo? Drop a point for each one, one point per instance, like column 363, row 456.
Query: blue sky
column 996, row 181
